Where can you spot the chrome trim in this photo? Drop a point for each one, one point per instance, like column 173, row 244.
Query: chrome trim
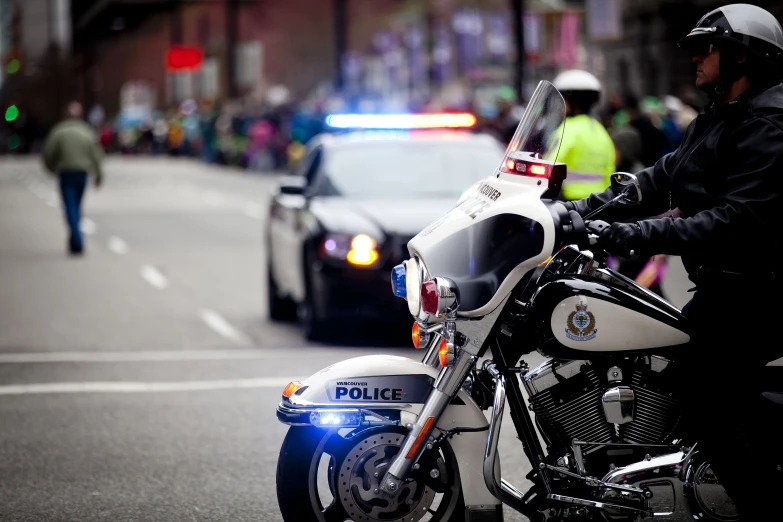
column 550, row 373
column 431, row 355
column 448, row 296
column 619, row 405
column 614, row 374
column 303, row 413
column 594, row 482
column 446, row 386
column 669, row 469
column 504, row 491
column 596, row 504
column 658, row 363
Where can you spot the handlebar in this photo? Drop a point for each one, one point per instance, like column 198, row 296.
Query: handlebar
column 578, row 231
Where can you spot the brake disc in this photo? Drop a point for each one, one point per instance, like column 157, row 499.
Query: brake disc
column 359, row 478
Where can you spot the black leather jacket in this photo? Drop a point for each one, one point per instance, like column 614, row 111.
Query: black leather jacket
column 725, row 179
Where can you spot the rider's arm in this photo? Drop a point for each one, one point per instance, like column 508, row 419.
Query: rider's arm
column 749, row 201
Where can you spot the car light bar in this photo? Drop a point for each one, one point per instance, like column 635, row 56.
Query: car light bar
column 336, row 418
column 401, row 121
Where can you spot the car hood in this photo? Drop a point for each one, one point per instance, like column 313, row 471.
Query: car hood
column 379, row 216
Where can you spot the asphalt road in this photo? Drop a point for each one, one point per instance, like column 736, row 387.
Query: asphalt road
column 140, row 381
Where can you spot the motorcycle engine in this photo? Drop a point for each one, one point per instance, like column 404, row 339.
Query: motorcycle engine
column 569, row 399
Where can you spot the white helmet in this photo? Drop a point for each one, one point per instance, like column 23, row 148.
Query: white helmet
column 577, row 80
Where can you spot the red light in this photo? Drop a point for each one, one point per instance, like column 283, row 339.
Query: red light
column 434, row 121
column 538, row 170
column 429, row 297
column 183, row 58
column 522, row 168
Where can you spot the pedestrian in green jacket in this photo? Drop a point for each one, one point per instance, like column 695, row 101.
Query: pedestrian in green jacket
column 72, row 153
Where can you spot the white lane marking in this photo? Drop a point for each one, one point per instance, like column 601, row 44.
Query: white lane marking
column 118, row 246
column 779, row 362
column 143, row 387
column 145, row 356
column 88, row 226
column 154, row 277
column 215, row 321
column 253, row 210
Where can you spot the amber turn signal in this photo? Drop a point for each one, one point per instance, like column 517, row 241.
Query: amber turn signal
column 445, row 353
column 291, row 389
column 416, row 335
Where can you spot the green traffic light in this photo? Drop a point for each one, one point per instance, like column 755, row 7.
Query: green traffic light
column 13, row 66
column 11, row 113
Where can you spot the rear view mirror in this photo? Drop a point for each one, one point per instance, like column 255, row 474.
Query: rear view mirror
column 293, row 186
column 627, row 185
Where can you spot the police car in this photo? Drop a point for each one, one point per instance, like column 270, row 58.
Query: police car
column 340, row 224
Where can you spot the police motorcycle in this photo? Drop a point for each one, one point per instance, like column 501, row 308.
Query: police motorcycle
column 506, row 272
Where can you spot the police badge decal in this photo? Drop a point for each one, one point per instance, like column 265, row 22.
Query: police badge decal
column 581, row 324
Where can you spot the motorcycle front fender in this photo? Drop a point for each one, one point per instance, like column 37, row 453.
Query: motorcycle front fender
column 386, row 382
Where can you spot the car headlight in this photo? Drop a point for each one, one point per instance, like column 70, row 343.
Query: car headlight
column 361, row 249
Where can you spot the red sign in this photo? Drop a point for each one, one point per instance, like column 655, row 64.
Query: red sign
column 183, row 58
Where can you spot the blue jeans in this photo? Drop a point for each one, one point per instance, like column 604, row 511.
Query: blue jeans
column 72, row 185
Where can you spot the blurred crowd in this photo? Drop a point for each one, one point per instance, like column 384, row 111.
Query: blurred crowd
column 265, row 137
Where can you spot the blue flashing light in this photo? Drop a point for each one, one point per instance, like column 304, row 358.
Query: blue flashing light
column 401, row 121
column 398, row 281
column 336, row 418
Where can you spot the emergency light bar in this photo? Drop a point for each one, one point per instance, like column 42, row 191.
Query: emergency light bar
column 401, row 121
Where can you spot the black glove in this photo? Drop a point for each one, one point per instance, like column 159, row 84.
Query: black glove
column 579, row 206
column 622, row 239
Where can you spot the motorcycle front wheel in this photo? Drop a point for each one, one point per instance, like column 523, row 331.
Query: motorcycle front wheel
column 334, row 476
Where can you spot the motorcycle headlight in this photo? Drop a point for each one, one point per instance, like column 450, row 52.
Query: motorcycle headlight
column 413, row 285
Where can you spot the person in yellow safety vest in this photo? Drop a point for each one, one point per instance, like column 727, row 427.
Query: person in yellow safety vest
column 586, row 148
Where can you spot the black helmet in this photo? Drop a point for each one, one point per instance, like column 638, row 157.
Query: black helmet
column 743, row 25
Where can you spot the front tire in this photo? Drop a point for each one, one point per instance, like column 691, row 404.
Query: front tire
column 298, row 473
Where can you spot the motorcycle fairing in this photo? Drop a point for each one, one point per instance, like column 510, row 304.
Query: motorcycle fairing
column 503, row 214
column 463, row 412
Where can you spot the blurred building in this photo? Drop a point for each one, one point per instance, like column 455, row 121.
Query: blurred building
column 640, row 54
column 35, row 76
column 395, row 51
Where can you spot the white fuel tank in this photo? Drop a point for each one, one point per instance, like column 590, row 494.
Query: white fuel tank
column 593, row 316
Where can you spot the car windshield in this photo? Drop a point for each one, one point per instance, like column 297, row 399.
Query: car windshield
column 407, row 168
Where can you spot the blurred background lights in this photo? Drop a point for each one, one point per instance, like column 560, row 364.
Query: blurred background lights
column 11, row 113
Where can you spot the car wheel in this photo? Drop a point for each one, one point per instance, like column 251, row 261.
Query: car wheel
column 314, row 325
column 279, row 308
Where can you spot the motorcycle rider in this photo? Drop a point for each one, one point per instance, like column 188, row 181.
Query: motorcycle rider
column 585, row 147
column 725, row 178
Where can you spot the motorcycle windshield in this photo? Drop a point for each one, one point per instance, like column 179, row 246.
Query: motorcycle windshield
column 484, row 239
column 540, row 131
